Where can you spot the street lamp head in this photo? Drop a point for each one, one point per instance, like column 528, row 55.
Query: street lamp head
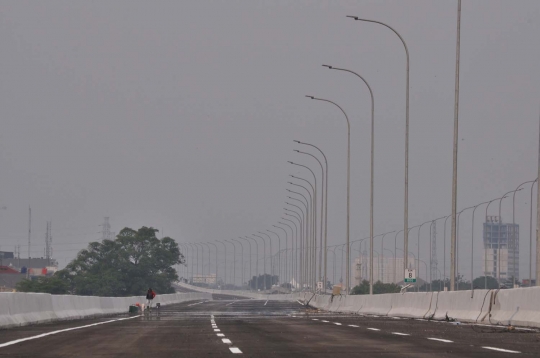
column 353, row 17
column 288, row 161
column 310, row 97
column 290, row 183
column 296, row 150
column 330, row 67
column 297, row 141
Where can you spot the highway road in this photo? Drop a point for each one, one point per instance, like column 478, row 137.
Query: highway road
column 257, row 328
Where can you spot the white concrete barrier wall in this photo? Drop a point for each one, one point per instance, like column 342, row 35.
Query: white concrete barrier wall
column 459, row 305
column 519, row 307
column 411, row 304
column 17, row 309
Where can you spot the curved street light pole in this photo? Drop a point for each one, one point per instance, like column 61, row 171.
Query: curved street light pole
column 313, row 257
column 303, row 247
column 325, row 211
column 241, row 260
column 234, row 262
column 282, row 270
column 224, row 263
column 322, row 210
column 256, row 261
column 294, row 252
column 270, row 256
column 499, row 239
column 264, row 259
column 215, row 247
column 372, row 170
column 279, row 271
column 286, row 280
column 250, row 259
column 406, row 209
column 456, row 264
column 472, row 244
column 530, row 235
column 299, row 243
column 347, row 279
column 382, row 251
column 514, row 246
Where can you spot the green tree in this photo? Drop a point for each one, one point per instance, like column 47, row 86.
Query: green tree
column 480, row 282
column 378, row 288
column 54, row 285
column 126, row 266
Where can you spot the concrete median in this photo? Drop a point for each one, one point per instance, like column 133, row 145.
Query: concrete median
column 18, row 309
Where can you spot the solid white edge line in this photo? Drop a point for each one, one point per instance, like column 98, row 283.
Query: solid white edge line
column 441, row 340
column 60, row 331
column 501, row 350
column 235, row 350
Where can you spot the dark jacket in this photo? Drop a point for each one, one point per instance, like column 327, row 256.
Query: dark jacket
column 150, row 295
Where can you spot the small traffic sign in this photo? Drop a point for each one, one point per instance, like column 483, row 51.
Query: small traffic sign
column 320, row 285
column 410, row 276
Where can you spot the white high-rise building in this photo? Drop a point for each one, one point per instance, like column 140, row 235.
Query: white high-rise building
column 501, row 240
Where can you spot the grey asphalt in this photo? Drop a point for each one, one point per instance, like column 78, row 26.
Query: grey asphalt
column 260, row 328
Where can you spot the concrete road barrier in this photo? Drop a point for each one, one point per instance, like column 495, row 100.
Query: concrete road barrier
column 411, row 304
column 460, row 306
column 518, row 307
column 17, row 309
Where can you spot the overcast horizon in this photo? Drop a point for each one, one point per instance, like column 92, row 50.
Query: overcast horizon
column 182, row 116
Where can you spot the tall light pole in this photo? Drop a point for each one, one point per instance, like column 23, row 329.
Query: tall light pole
column 538, row 216
column 514, row 232
column 279, row 256
column 322, row 210
column 224, row 263
column 294, row 253
column 286, row 246
column 406, row 210
column 347, row 279
column 485, row 255
column 234, row 262
column 304, row 244
column 270, row 256
column 499, row 238
column 250, row 259
column 241, row 260
column 264, row 259
column 313, row 256
column 371, row 174
column 530, row 235
column 256, row 262
column 382, row 252
column 325, row 211
column 303, row 234
column 472, row 243
column 457, row 246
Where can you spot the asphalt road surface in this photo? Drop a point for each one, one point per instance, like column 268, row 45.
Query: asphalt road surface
column 230, row 326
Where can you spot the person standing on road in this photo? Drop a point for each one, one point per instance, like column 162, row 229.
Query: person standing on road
column 150, row 294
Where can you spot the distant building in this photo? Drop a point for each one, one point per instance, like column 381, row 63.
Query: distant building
column 501, row 249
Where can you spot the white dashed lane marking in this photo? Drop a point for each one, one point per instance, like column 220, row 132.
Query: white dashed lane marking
column 225, row 340
column 220, row 334
column 198, row 303
column 400, row 334
column 352, row 325
column 374, row 329
column 441, row 340
column 235, row 350
column 337, row 324
column 217, row 330
column 325, row 321
column 501, row 350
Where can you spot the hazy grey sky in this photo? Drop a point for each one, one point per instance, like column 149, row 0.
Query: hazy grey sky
column 181, row 114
